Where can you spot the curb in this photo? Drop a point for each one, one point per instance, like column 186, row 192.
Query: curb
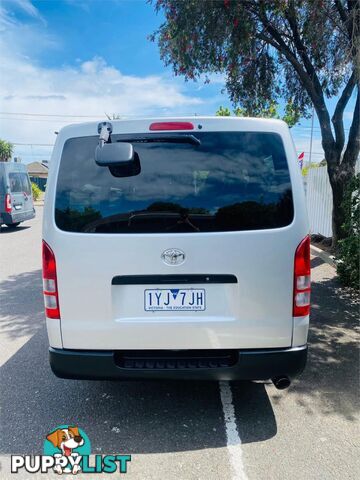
column 330, row 259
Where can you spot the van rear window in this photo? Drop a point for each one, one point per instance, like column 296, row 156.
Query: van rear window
column 19, row 183
column 233, row 181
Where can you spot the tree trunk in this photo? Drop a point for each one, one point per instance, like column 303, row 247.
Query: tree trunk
column 338, row 217
column 339, row 177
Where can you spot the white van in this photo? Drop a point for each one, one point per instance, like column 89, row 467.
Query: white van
column 176, row 248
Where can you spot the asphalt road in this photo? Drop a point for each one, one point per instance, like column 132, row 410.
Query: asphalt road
column 178, row 430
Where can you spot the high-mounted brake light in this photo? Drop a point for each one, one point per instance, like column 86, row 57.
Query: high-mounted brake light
column 50, row 291
column 157, row 126
column 8, row 203
column 302, row 281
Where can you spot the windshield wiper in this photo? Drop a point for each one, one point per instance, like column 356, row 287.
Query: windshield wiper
column 163, row 138
column 182, row 218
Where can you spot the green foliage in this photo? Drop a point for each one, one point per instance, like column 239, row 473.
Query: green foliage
column 305, row 170
column 36, row 192
column 348, row 251
column 223, row 112
column 6, row 150
column 260, row 47
column 291, row 115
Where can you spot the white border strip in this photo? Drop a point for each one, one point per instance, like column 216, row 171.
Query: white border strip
column 232, row 434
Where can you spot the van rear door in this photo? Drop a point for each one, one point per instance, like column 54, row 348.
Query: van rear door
column 20, row 190
column 195, row 251
column 16, row 192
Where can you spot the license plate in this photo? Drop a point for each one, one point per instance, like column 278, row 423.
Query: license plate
column 175, row 299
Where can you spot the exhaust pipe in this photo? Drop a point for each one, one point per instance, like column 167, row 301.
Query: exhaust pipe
column 281, row 382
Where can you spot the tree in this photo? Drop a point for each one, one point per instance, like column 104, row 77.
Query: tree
column 6, row 150
column 303, row 51
column 291, row 115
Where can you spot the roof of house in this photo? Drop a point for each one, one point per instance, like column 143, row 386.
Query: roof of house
column 37, row 168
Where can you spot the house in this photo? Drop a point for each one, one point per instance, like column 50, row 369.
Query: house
column 38, row 173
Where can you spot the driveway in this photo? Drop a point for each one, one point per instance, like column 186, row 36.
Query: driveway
column 182, row 430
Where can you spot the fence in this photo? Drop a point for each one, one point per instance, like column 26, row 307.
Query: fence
column 319, row 200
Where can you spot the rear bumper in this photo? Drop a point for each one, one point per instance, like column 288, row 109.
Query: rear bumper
column 15, row 217
column 248, row 365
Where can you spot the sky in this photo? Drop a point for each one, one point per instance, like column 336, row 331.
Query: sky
column 68, row 61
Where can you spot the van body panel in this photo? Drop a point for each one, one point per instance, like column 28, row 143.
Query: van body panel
column 14, row 180
column 254, row 313
column 300, row 332
column 54, row 332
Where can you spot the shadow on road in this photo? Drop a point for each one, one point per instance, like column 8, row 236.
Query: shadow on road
column 136, row 417
column 316, row 262
column 22, row 307
column 330, row 383
column 13, row 230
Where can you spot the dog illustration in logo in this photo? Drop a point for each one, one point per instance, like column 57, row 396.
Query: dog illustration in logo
column 66, row 440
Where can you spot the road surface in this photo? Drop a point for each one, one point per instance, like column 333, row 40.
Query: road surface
column 182, row 430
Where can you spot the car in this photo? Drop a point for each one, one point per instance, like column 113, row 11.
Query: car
column 176, row 248
column 16, row 201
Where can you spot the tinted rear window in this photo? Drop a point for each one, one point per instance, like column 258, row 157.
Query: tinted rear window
column 26, row 183
column 15, row 182
column 233, row 181
column 19, row 183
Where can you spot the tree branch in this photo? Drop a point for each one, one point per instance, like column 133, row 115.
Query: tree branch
column 350, row 19
column 341, row 11
column 347, row 15
column 353, row 146
column 307, row 77
column 277, row 42
column 337, row 118
column 290, row 15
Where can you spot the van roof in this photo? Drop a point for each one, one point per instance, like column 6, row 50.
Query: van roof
column 14, row 166
column 141, row 125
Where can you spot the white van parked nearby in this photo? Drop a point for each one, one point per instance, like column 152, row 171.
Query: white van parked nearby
column 176, row 248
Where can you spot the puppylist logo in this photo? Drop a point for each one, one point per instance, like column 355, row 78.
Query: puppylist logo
column 67, row 450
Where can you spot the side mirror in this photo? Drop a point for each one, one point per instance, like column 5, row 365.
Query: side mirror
column 119, row 154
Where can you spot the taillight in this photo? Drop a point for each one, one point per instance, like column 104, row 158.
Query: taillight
column 8, row 203
column 171, row 126
column 50, row 290
column 302, row 281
